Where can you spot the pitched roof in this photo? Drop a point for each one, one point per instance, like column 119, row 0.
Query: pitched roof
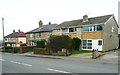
column 44, row 28
column 16, row 34
column 93, row 20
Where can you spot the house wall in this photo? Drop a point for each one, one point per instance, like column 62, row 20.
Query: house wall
column 54, row 32
column 79, row 33
column 45, row 35
column 72, row 35
column 110, row 38
column 23, row 39
column 92, row 35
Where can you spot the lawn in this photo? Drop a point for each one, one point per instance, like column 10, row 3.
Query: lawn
column 79, row 52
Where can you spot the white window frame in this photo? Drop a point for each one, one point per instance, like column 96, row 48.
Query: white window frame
column 87, row 45
column 93, row 27
column 74, row 30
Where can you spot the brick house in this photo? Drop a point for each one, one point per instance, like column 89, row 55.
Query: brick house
column 15, row 39
column 43, row 32
column 96, row 33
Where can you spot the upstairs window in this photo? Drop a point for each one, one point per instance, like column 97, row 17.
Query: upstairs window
column 31, row 35
column 98, row 28
column 72, row 29
column 58, row 30
column 65, row 30
column 39, row 35
column 49, row 33
column 92, row 28
column 85, row 28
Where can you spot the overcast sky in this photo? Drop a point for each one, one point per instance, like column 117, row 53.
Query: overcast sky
column 25, row 14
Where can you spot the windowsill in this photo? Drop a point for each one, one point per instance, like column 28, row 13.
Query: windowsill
column 67, row 32
column 92, row 31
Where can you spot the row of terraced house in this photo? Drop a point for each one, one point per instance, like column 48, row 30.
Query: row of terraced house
column 96, row 33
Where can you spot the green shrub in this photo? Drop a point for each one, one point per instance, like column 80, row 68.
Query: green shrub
column 8, row 47
column 57, row 43
column 76, row 43
column 41, row 44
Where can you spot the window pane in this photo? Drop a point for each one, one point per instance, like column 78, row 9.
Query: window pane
column 58, row 30
column 75, row 29
column 64, row 30
column 99, row 27
column 85, row 28
column 84, row 47
column 99, row 42
column 71, row 29
column 90, row 28
column 89, row 40
column 89, row 47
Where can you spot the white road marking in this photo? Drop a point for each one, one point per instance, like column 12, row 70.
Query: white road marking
column 2, row 60
column 20, row 63
column 58, row 70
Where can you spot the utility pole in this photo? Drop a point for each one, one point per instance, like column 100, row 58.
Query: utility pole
column 3, row 35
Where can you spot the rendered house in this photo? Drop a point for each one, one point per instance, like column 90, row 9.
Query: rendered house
column 96, row 33
column 15, row 39
column 43, row 32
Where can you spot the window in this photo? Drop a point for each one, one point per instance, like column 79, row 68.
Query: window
column 71, row 29
column 58, row 30
column 112, row 29
column 99, row 42
column 98, row 28
column 87, row 44
column 39, row 35
column 92, row 28
column 49, row 33
column 85, row 28
column 31, row 35
column 64, row 30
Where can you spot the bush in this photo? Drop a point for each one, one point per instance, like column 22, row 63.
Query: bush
column 57, row 43
column 76, row 43
column 41, row 44
column 8, row 47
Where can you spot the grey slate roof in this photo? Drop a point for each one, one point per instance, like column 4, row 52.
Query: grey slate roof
column 44, row 28
column 93, row 20
column 16, row 34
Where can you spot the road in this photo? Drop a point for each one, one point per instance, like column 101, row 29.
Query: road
column 24, row 64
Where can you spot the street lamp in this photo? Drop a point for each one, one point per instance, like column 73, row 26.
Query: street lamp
column 3, row 34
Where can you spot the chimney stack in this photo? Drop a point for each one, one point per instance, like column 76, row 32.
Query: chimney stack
column 13, row 31
column 40, row 23
column 85, row 18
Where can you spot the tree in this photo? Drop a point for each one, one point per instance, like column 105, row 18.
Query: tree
column 41, row 44
column 57, row 43
column 76, row 43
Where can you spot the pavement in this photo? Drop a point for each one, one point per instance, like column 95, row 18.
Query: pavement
column 108, row 57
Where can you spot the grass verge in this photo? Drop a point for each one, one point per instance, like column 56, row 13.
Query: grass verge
column 80, row 52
